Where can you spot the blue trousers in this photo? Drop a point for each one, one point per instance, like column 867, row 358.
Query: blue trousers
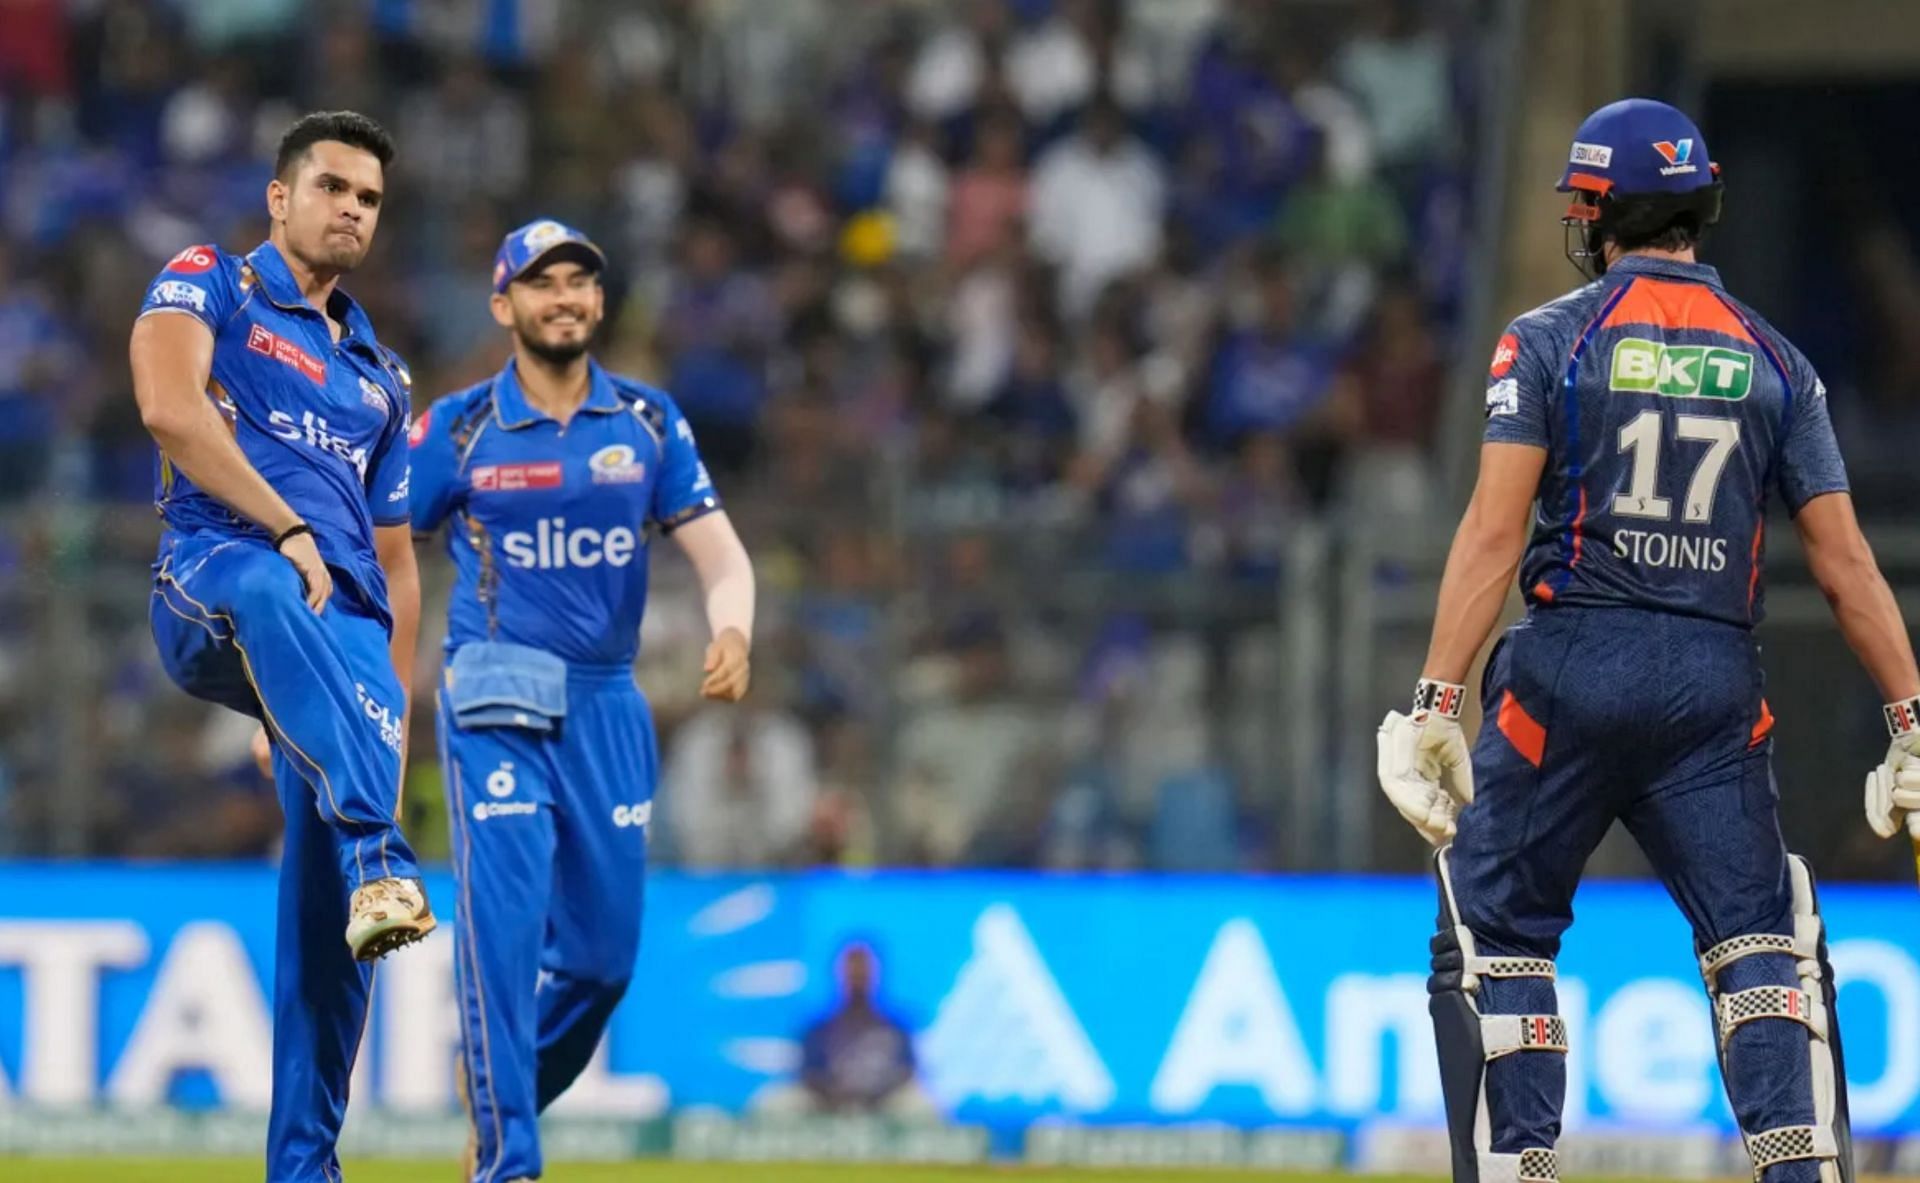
column 1659, row 721
column 233, row 627
column 549, row 850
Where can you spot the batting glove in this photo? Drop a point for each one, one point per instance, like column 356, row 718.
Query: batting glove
column 1424, row 766
column 1893, row 789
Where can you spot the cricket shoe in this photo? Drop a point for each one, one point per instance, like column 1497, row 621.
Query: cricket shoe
column 385, row 915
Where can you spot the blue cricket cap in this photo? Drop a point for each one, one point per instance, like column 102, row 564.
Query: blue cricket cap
column 1638, row 146
column 536, row 243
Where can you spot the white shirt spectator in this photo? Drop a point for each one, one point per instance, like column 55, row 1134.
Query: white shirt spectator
column 1097, row 212
column 1051, row 70
column 1402, row 85
column 917, row 197
column 741, row 786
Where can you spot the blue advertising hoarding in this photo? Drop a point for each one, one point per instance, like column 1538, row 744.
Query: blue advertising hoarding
column 1109, row 999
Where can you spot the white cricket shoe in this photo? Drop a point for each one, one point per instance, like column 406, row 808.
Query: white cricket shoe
column 385, row 915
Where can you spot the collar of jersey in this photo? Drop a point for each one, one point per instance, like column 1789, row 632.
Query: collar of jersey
column 1630, row 265
column 277, row 284
column 513, row 411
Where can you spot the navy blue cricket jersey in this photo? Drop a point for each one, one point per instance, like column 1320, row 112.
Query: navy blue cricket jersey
column 1668, row 410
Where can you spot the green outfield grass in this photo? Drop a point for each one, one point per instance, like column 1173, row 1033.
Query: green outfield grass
column 230, row 1170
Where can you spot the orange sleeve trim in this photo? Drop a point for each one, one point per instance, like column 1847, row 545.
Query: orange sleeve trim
column 1763, row 726
column 1527, row 737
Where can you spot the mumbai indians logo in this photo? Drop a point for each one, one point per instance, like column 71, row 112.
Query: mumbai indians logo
column 616, row 464
column 1680, row 371
column 542, row 235
column 1678, row 155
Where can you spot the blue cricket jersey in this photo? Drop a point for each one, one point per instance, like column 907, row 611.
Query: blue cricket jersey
column 323, row 422
column 1668, row 410
column 550, row 524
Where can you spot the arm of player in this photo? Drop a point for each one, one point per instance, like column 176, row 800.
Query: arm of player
column 1424, row 766
column 172, row 359
column 1485, row 555
column 1869, row 618
column 726, row 577
column 394, row 546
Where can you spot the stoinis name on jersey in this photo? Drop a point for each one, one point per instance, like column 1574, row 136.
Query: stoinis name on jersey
column 267, row 343
column 517, row 478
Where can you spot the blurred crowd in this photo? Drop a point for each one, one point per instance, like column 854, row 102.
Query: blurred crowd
column 1022, row 337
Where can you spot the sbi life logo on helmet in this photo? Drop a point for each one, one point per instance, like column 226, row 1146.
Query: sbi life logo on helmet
column 1681, row 371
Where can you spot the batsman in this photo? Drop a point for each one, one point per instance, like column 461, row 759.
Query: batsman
column 1635, row 430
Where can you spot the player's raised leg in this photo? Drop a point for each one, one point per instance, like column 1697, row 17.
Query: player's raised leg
column 609, row 765
column 329, row 696
column 499, row 797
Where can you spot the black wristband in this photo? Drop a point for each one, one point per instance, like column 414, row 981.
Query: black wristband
column 293, row 531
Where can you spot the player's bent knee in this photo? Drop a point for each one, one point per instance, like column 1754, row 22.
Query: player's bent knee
column 1810, row 1004
column 1469, row 1035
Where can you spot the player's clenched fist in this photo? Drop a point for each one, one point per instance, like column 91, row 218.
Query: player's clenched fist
column 1423, row 762
column 1893, row 789
column 727, row 668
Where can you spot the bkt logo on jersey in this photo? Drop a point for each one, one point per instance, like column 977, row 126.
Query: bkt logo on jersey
column 315, row 432
column 552, row 547
column 1681, row 371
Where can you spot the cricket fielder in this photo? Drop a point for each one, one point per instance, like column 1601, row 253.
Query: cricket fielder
column 1648, row 415
column 555, row 474
column 285, row 586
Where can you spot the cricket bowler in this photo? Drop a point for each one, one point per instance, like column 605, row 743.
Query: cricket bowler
column 286, row 588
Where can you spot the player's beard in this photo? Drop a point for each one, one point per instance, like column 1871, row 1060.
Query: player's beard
column 335, row 254
column 556, row 354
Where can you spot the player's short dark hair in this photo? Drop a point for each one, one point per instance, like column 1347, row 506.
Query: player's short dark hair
column 1678, row 235
column 345, row 127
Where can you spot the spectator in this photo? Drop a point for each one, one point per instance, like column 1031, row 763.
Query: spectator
column 742, row 786
column 952, row 63
column 464, row 138
column 989, row 199
column 1399, row 69
column 1098, row 197
column 917, row 195
column 1270, row 375
column 856, row 1058
column 719, row 323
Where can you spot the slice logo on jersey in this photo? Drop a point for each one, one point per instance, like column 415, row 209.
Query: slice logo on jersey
column 1678, row 155
column 1505, row 352
column 1680, row 371
column 517, row 478
column 181, row 295
column 315, row 432
column 195, row 260
column 1593, row 155
column 1005, row 1030
column 616, row 464
column 553, row 547
column 266, row 343
column 1503, row 397
column 373, row 396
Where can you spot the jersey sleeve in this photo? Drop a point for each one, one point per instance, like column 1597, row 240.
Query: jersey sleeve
column 435, row 468
column 1519, row 385
column 197, row 282
column 683, row 491
column 1809, row 462
column 389, row 477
